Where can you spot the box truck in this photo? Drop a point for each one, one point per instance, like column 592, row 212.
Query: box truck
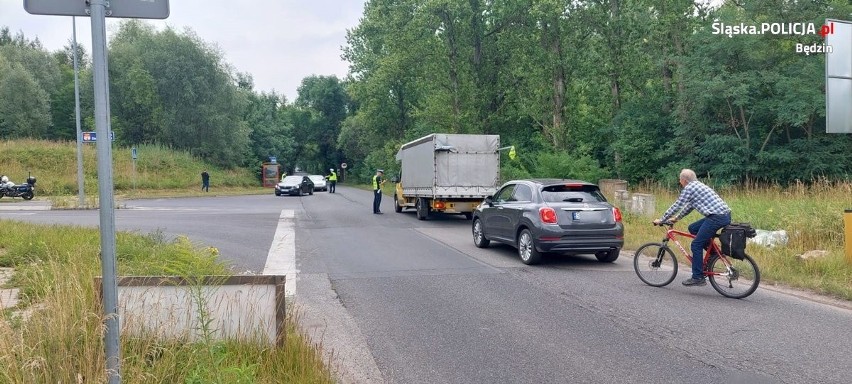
column 450, row 173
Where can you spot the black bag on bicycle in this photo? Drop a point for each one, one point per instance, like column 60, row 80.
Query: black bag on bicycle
column 733, row 238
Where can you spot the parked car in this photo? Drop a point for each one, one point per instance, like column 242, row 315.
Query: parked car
column 319, row 182
column 550, row 216
column 295, row 185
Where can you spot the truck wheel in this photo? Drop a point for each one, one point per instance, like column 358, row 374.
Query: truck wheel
column 396, row 206
column 422, row 207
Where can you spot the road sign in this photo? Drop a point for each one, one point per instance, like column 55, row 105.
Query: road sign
column 92, row 136
column 133, row 153
column 140, row 9
column 838, row 77
column 343, row 165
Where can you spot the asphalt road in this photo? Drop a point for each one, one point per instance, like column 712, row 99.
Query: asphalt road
column 396, row 300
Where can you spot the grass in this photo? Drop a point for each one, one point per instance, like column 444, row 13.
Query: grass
column 62, row 341
column 54, row 164
column 812, row 215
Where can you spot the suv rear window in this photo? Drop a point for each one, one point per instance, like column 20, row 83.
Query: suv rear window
column 572, row 192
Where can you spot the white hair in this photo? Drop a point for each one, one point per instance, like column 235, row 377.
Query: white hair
column 688, row 175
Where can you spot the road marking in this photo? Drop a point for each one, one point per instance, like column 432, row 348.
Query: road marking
column 281, row 259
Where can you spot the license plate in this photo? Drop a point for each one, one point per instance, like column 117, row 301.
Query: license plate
column 575, row 215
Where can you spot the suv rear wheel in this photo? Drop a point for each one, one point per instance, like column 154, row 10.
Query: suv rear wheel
column 526, row 248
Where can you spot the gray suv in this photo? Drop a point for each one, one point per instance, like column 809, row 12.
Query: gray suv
column 550, row 216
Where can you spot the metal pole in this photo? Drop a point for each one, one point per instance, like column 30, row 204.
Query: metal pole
column 105, row 193
column 80, row 193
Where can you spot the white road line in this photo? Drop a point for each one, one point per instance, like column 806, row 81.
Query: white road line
column 281, row 259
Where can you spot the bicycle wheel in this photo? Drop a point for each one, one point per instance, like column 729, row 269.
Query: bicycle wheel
column 736, row 282
column 655, row 264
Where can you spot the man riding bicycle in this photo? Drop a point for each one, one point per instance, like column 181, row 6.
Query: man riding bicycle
column 696, row 195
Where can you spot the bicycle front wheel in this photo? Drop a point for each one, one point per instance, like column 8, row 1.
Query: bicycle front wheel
column 737, row 280
column 655, row 264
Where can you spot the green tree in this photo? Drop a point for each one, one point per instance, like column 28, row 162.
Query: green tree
column 174, row 89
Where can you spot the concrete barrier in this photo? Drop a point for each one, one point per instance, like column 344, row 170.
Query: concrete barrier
column 246, row 307
column 622, row 199
column 643, row 204
column 609, row 186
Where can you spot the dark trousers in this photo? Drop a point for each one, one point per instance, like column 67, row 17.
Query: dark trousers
column 205, row 186
column 377, row 200
column 704, row 230
column 331, row 185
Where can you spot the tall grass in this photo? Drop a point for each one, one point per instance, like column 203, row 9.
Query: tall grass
column 810, row 213
column 54, row 164
column 61, row 340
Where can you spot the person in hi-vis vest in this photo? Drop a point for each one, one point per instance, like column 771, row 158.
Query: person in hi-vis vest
column 332, row 180
column 378, row 181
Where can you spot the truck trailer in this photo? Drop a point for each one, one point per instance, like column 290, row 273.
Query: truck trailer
column 450, row 173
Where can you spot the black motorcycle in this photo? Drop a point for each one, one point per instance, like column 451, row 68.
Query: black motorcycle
column 26, row 191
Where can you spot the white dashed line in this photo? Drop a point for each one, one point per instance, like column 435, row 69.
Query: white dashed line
column 281, row 259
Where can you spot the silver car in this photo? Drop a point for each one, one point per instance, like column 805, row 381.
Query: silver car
column 550, row 216
column 319, row 182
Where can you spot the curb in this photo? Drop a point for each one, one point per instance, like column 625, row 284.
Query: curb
column 26, row 206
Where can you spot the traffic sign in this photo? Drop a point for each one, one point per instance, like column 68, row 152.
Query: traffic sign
column 343, row 165
column 139, row 9
column 92, row 136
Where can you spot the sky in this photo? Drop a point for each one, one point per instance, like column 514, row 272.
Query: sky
column 278, row 42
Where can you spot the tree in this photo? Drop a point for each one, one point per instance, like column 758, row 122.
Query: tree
column 174, row 89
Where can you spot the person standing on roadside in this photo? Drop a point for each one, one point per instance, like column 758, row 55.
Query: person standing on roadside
column 378, row 181
column 205, row 181
column 332, row 180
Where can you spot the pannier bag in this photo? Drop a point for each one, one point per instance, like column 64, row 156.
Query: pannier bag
column 733, row 238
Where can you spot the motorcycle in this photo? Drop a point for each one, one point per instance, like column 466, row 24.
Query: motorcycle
column 25, row 191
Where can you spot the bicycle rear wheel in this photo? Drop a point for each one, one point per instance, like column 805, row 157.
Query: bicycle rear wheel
column 655, row 264
column 736, row 282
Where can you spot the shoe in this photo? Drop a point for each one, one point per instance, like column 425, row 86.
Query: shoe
column 693, row 282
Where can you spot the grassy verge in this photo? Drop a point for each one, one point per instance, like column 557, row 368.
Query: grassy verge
column 54, row 164
column 61, row 340
column 811, row 214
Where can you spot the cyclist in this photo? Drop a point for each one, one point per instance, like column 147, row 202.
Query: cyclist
column 696, row 195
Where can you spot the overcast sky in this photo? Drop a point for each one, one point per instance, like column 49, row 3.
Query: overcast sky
column 279, row 42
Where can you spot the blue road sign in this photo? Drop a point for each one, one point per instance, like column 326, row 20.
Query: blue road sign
column 92, row 137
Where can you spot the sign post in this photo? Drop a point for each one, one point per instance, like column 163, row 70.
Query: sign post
column 133, row 157
column 81, row 194
column 98, row 10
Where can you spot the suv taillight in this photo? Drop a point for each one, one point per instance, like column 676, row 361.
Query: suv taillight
column 547, row 215
column 616, row 213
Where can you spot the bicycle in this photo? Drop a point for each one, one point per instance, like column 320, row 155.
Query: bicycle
column 727, row 275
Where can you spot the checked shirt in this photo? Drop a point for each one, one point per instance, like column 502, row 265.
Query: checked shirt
column 700, row 197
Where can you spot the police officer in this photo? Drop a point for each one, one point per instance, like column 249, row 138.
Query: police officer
column 332, row 180
column 378, row 181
